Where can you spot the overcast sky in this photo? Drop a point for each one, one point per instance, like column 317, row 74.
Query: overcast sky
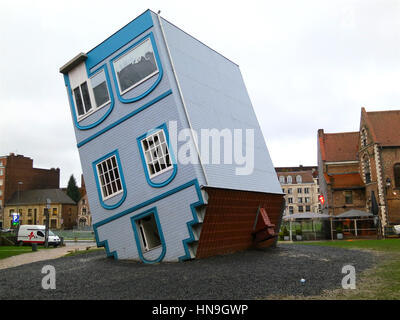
column 306, row 65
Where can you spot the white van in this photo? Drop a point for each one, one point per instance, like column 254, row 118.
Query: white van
column 36, row 234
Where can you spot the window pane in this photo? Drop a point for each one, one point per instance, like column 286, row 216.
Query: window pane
column 100, row 89
column 86, row 97
column 78, row 101
column 136, row 65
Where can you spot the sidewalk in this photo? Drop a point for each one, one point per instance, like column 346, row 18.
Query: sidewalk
column 40, row 255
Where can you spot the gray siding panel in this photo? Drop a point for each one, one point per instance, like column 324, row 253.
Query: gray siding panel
column 216, row 97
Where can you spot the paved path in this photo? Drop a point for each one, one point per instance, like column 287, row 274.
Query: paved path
column 40, row 255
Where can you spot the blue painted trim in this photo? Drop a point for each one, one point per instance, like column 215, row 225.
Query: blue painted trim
column 124, row 118
column 160, row 232
column 104, row 244
column 189, row 224
column 171, row 153
column 94, row 165
column 153, row 86
column 130, row 31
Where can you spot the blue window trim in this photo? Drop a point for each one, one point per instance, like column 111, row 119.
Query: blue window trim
column 160, row 70
column 189, row 224
column 94, row 165
column 126, row 117
column 160, row 232
column 72, row 102
column 171, row 153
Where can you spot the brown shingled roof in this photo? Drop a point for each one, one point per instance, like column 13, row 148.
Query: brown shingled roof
column 349, row 180
column 385, row 126
column 338, row 147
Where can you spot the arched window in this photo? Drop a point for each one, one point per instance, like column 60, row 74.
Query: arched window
column 298, row 179
column 289, row 179
column 396, row 169
column 282, row 179
column 367, row 171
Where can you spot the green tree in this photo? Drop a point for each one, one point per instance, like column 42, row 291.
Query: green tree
column 73, row 190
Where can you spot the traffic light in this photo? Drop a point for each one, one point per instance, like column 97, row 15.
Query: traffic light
column 321, row 199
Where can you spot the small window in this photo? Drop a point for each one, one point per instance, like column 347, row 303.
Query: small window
column 55, row 211
column 82, row 99
column 92, row 95
column 307, row 199
column 367, row 171
column 308, row 208
column 348, row 197
column 109, row 177
column 364, row 137
column 283, row 190
column 301, row 209
column 298, row 179
column 100, row 90
column 299, row 190
column 282, row 179
column 289, row 190
column 157, row 156
column 1, row 182
column 290, row 200
column 135, row 66
column 300, row 200
column 396, row 169
column 29, row 212
column 291, row 210
column 148, row 231
column 306, row 190
column 1, row 172
column 289, row 179
column 40, row 233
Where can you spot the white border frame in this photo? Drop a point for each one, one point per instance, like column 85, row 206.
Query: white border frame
column 144, row 79
column 151, row 176
column 99, row 179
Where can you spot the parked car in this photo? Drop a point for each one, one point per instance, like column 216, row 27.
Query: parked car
column 5, row 230
column 28, row 234
column 396, row 229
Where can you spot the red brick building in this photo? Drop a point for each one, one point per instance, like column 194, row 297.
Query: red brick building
column 18, row 174
column 361, row 170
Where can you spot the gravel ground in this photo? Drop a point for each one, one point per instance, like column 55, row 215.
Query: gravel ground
column 253, row 274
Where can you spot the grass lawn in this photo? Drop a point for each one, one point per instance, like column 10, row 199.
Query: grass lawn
column 9, row 251
column 380, row 282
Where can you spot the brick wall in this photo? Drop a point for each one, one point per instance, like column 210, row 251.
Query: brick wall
column 20, row 169
column 230, row 217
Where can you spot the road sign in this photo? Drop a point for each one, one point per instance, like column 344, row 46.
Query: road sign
column 15, row 218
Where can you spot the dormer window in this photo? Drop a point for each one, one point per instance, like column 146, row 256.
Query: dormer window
column 90, row 95
column 135, row 66
column 282, row 179
column 298, row 179
column 289, row 179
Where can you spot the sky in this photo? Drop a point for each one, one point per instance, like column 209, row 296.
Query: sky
column 307, row 65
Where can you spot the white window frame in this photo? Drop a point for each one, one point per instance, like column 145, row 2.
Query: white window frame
column 299, row 179
column 144, row 79
column 152, row 160
column 94, row 107
column 108, row 170
column 289, row 179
